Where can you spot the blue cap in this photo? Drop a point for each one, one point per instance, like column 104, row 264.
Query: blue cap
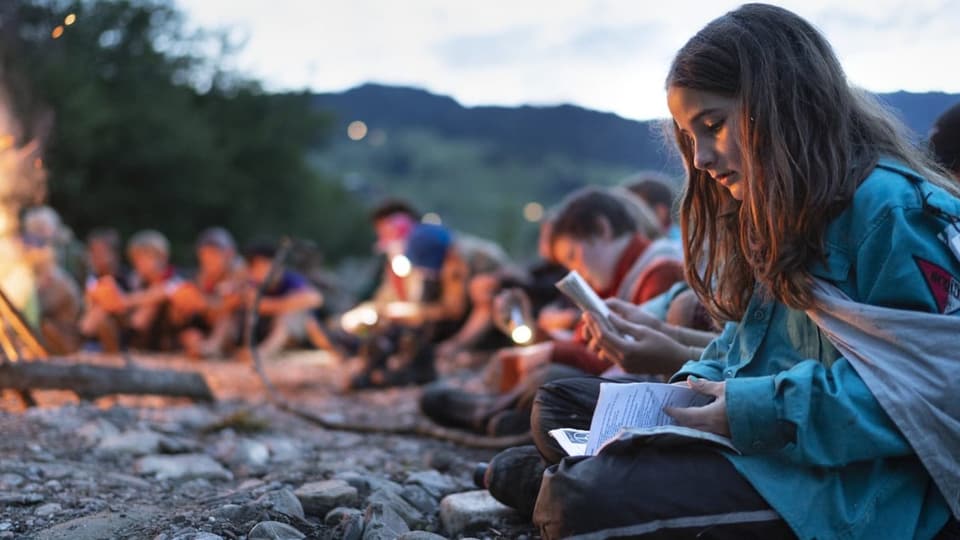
column 427, row 246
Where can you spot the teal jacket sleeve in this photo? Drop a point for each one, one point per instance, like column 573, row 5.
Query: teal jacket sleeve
column 828, row 413
column 712, row 361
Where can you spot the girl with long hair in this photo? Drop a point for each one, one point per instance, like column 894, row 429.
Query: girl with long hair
column 801, row 193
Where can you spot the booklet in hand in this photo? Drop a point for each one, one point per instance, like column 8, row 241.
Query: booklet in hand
column 635, row 411
column 576, row 288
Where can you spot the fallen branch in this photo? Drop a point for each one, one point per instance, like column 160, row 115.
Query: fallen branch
column 90, row 381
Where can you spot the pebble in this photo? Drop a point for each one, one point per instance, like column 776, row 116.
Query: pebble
column 239, row 514
column 420, row 499
column 383, row 523
column 274, row 530
column 473, row 509
column 94, row 431
column 283, row 450
column 282, row 501
column 47, row 510
column 240, row 452
column 438, row 485
column 441, row 460
column 10, row 480
column 137, row 443
column 318, row 498
column 366, row 483
column 338, row 515
column 182, row 467
column 347, row 523
column 405, row 510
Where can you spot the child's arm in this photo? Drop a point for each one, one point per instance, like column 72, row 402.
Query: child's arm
column 453, row 304
column 302, row 299
column 153, row 294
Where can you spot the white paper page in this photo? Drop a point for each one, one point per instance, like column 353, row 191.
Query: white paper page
column 573, row 441
column 636, row 405
column 577, row 289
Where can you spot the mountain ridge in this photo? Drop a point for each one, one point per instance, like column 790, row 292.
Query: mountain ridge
column 538, row 130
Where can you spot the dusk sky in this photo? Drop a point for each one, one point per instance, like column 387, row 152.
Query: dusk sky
column 603, row 54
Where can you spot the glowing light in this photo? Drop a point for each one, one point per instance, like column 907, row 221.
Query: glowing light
column 6, row 141
column 359, row 317
column 357, row 130
column 432, row 218
column 522, row 335
column 401, row 266
column 533, row 212
column 57, row 32
column 401, row 310
column 70, row 19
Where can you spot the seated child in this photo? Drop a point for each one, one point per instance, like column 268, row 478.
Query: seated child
column 106, row 280
column 286, row 309
column 214, row 316
column 57, row 292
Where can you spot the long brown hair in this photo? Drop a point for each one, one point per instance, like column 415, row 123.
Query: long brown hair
column 808, row 140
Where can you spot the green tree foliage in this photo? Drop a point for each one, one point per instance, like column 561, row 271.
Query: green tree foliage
column 148, row 131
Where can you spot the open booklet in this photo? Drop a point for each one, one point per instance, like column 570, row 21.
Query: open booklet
column 635, row 410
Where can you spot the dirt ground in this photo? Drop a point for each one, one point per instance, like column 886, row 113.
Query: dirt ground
column 170, row 469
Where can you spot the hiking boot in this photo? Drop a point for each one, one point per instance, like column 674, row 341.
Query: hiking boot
column 509, row 422
column 451, row 406
column 513, row 478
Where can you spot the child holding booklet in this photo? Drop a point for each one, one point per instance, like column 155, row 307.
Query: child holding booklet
column 794, row 180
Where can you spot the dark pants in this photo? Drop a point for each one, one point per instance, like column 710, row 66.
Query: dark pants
column 566, row 403
column 633, row 491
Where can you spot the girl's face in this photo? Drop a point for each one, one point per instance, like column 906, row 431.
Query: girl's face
column 710, row 123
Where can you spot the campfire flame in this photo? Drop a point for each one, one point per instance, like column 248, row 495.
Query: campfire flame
column 22, row 183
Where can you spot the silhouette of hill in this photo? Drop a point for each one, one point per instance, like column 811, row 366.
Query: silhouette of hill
column 534, row 132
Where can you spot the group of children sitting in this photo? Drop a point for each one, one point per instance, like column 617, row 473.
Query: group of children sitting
column 151, row 306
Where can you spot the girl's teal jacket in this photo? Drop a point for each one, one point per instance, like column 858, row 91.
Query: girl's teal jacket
column 815, row 442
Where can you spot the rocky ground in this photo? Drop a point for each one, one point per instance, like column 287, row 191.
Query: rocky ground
column 168, row 469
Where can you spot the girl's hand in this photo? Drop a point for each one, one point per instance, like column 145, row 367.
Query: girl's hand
column 712, row 417
column 633, row 314
column 649, row 350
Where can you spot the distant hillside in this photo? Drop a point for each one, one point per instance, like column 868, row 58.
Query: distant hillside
column 919, row 111
column 533, row 132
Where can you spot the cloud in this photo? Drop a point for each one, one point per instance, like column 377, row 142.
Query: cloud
column 484, row 50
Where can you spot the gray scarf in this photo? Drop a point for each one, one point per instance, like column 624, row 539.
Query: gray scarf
column 910, row 361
